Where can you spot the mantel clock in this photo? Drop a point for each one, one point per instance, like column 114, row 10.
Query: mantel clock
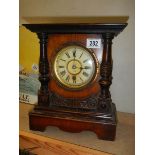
column 75, row 73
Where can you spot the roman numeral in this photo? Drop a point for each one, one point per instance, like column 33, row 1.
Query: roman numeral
column 74, row 53
column 67, row 54
column 63, row 73
column 85, row 60
column 61, row 66
column 74, row 79
column 87, row 67
column 62, row 59
column 81, row 55
column 85, row 74
column 81, row 79
column 68, row 78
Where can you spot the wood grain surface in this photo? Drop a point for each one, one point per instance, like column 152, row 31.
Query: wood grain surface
column 41, row 145
column 57, row 42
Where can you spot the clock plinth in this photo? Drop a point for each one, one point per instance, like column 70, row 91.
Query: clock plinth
column 104, row 125
column 74, row 93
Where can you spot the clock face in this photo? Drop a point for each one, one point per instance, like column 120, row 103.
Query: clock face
column 75, row 66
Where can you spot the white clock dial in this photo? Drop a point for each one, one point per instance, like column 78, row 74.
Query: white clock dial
column 74, row 66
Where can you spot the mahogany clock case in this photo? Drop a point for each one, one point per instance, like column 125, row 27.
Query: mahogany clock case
column 89, row 108
column 55, row 43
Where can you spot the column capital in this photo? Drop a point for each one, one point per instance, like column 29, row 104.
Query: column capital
column 108, row 35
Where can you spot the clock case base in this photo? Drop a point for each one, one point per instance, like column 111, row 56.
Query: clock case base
column 104, row 125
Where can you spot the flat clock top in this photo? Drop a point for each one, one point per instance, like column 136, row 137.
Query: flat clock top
column 77, row 20
column 75, row 66
column 81, row 25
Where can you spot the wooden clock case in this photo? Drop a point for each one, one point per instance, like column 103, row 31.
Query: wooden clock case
column 90, row 108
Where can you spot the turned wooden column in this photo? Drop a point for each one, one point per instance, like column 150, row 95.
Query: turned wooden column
column 106, row 71
column 43, row 94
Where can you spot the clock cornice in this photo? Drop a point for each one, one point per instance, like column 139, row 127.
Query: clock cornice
column 98, row 28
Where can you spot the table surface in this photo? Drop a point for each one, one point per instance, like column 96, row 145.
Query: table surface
column 123, row 145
